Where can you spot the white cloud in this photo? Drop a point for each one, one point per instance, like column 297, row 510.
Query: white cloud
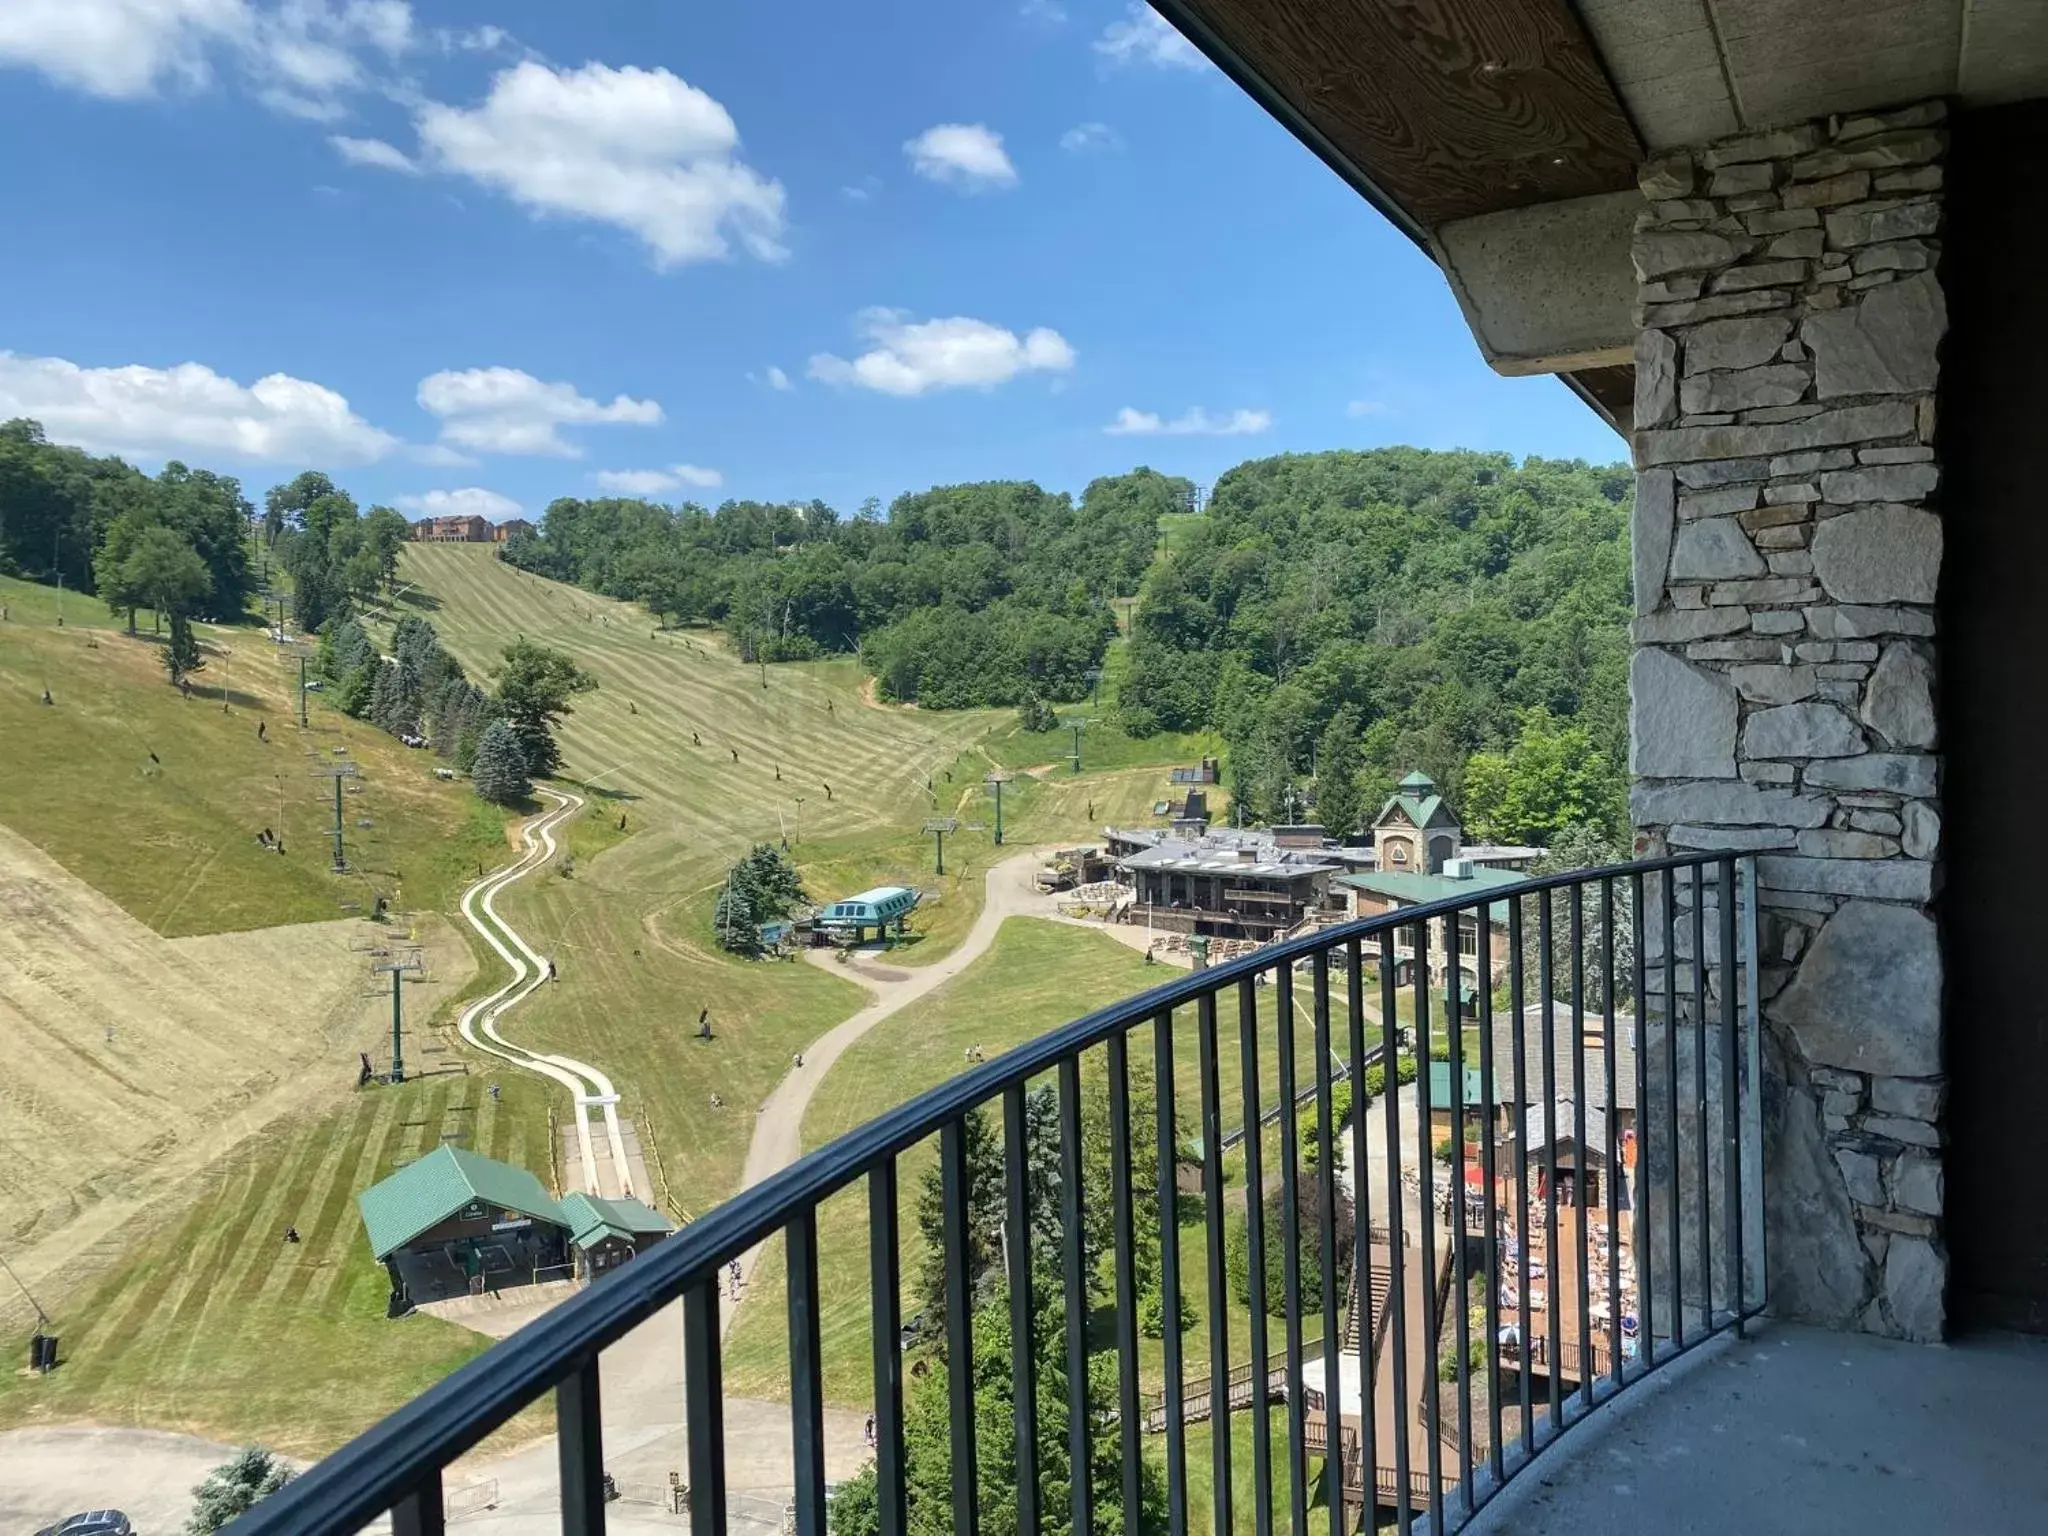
column 1194, row 422
column 636, row 148
column 468, row 501
column 1145, row 37
column 1083, row 137
column 1363, row 408
column 650, row 482
column 965, row 155
column 777, row 379
column 910, row 357
column 301, row 56
column 1049, row 11
column 156, row 413
column 120, row 47
column 505, row 410
column 373, row 152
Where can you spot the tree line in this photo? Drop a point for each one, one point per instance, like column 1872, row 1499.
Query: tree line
column 959, row 596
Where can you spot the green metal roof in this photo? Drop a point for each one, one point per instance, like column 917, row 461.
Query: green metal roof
column 1414, row 890
column 592, row 1219
column 400, row 1208
column 1417, row 798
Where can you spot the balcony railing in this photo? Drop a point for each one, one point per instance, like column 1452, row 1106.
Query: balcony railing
column 1681, row 1260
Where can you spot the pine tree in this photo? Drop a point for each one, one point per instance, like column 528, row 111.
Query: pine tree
column 1338, row 805
column 499, row 772
column 181, row 655
column 234, row 1487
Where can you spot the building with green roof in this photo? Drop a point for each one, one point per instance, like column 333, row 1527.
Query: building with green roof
column 1373, row 892
column 1416, row 831
column 606, row 1233
column 457, row 1223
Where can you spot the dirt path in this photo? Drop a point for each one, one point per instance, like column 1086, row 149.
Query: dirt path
column 588, row 1086
column 1010, row 890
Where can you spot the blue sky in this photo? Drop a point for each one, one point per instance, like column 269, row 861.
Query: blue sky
column 486, row 254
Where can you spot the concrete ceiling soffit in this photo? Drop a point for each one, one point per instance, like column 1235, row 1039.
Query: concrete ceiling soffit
column 1690, row 71
column 1547, row 289
column 1434, row 109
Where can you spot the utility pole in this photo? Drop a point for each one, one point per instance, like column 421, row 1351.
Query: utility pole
column 995, row 781
column 302, row 690
column 939, row 826
column 338, row 772
column 398, row 969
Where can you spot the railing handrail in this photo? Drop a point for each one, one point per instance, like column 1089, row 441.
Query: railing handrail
column 360, row 1481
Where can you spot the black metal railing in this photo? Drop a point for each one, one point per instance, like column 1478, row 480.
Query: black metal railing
column 1621, row 956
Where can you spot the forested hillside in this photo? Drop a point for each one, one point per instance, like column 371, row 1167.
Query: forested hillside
column 1343, row 617
column 1338, row 618
column 962, row 595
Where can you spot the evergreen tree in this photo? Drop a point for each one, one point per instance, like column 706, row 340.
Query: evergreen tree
column 1338, row 806
column 499, row 771
column 761, row 888
column 181, row 654
column 235, row 1487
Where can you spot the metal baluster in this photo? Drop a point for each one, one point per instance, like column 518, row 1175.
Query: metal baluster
column 1169, row 1279
column 959, row 1325
column 1489, row 1171
column 1524, row 1322
column 1023, row 1357
column 1699, row 1085
column 421, row 1513
column 704, row 1407
column 1361, row 1192
column 1612, row 1076
column 1397, row 1291
column 1583, row 1154
column 579, row 1449
column 1674, row 1254
column 1219, row 1312
column 1454, row 1060
column 806, row 1373
column 1290, row 1258
column 1326, row 1219
column 1644, row 1172
column 885, row 1303
column 1255, row 1242
column 1731, row 1128
column 1124, row 1227
column 1074, row 1265
column 1546, row 984
column 1426, row 1197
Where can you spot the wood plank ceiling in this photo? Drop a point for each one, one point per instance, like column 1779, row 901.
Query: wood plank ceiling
column 1433, row 109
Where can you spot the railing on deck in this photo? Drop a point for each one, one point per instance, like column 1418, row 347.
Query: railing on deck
column 1437, row 1451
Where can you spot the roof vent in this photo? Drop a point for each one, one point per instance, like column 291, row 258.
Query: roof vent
column 1457, row 869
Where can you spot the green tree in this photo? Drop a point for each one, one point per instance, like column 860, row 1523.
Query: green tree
column 181, row 651
column 761, row 888
column 235, row 1487
column 499, row 771
column 1338, row 805
column 1552, row 778
column 927, row 1439
column 535, row 684
column 384, row 534
column 162, row 571
column 984, row 1187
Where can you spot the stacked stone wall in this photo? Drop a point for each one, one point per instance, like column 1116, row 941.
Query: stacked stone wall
column 1787, row 547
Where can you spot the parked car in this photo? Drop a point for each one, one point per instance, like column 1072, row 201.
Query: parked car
column 93, row 1522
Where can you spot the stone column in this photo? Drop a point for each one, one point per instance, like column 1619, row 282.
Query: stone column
column 1787, row 544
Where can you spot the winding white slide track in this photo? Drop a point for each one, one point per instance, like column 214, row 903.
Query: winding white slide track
column 588, row 1087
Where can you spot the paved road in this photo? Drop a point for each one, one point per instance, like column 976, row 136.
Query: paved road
column 588, row 1086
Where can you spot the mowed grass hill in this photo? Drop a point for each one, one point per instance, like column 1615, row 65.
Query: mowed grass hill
column 168, row 987
column 630, row 930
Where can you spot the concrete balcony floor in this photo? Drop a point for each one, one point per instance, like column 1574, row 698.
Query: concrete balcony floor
column 1802, row 1430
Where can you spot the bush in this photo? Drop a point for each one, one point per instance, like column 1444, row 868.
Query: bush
column 1036, row 716
column 234, row 1487
column 1237, row 1248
